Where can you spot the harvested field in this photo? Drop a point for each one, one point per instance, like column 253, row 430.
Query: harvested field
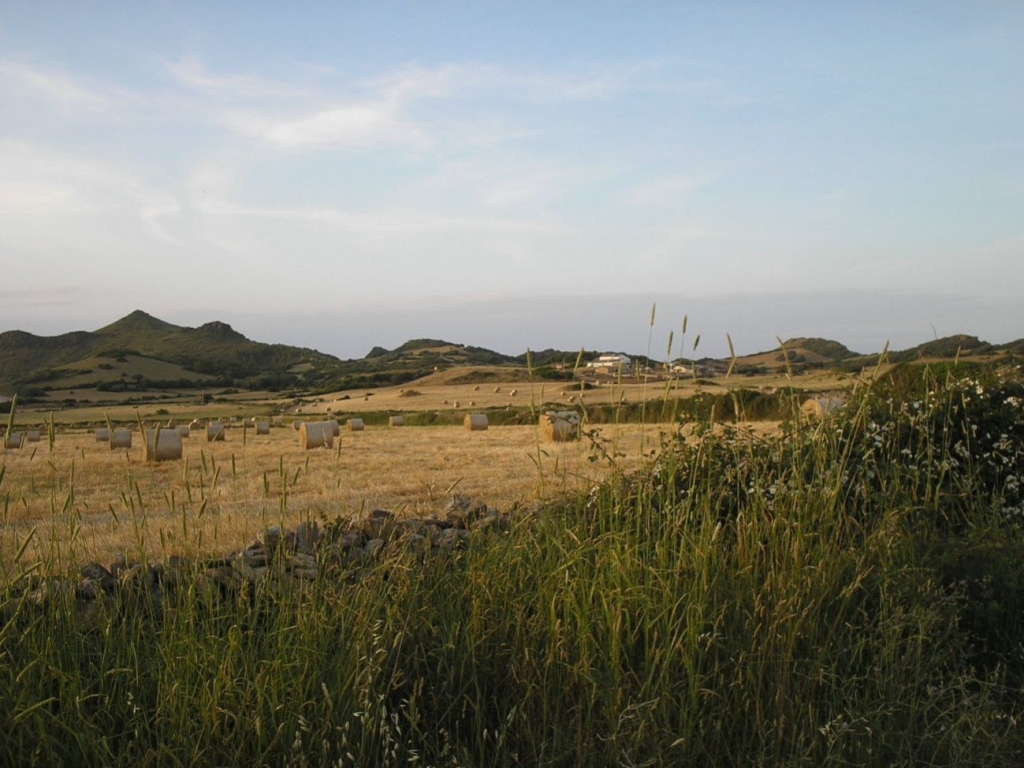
column 221, row 494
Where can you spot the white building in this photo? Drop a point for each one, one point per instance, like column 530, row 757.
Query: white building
column 612, row 362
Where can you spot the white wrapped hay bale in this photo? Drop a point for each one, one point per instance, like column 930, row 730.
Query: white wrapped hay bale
column 560, row 426
column 355, row 425
column 120, row 438
column 162, row 445
column 475, row 422
column 316, row 434
column 396, row 421
column 262, row 427
column 102, row 435
column 215, row 432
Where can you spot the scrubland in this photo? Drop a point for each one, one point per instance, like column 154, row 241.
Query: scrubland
column 846, row 592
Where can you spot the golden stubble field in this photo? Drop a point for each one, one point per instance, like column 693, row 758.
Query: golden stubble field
column 84, row 502
column 441, row 391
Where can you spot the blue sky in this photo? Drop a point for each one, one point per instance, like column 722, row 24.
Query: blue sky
column 344, row 175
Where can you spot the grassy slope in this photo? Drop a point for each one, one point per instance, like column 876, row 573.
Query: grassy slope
column 213, row 349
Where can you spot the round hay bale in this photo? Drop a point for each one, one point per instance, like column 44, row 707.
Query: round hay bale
column 262, row 427
column 335, row 427
column 818, row 408
column 497, row 390
column 215, row 432
column 476, row 388
column 296, row 425
column 355, row 425
column 184, row 430
column 102, row 435
column 14, row 440
column 32, row 436
column 120, row 438
column 514, row 392
column 396, row 421
column 316, row 434
column 162, row 445
column 560, row 426
column 475, row 422
column 195, row 424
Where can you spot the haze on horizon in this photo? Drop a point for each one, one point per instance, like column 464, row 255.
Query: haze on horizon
column 347, row 175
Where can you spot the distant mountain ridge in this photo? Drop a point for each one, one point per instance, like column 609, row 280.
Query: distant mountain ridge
column 215, row 354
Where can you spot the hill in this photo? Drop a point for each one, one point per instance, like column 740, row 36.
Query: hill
column 798, row 353
column 418, row 358
column 947, row 347
column 140, row 353
column 214, row 351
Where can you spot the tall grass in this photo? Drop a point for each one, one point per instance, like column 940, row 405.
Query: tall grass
column 807, row 599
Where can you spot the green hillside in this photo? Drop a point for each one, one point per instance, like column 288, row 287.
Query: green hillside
column 213, row 352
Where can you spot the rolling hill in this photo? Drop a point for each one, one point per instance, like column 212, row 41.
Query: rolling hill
column 212, row 351
column 140, row 352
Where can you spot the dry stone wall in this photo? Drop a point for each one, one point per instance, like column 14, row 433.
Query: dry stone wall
column 280, row 559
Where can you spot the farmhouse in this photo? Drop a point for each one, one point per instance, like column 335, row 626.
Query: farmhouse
column 697, row 369
column 611, row 363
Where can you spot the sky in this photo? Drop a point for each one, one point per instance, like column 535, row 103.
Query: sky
column 343, row 175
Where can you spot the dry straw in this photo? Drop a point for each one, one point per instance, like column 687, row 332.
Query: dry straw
column 120, row 438
column 560, row 426
column 162, row 445
column 215, row 432
column 396, row 421
column 475, row 422
column 355, row 425
column 818, row 408
column 316, row 434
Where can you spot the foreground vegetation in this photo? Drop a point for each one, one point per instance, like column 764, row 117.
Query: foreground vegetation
column 846, row 593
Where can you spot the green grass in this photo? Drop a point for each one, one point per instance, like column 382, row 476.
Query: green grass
column 850, row 593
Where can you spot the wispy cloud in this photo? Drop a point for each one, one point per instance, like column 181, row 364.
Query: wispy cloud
column 662, row 190
column 350, row 125
column 191, row 71
column 54, row 86
column 36, row 182
column 329, row 109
